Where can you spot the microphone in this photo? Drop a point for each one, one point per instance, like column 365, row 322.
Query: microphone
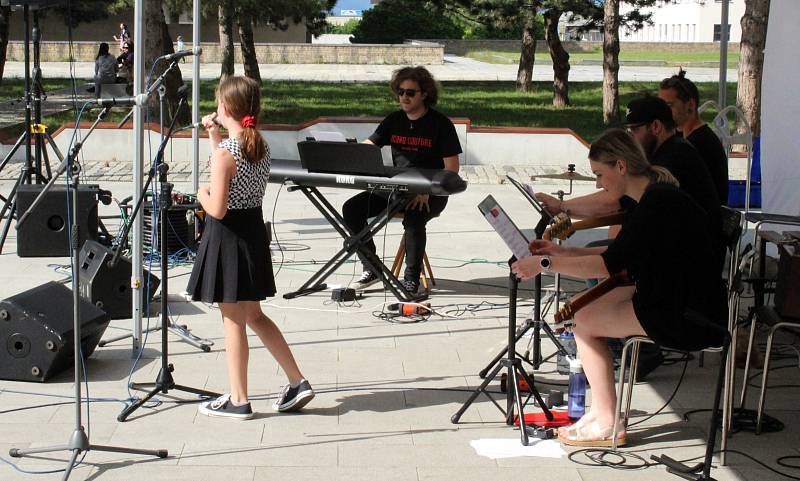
column 111, row 101
column 199, row 125
column 183, row 53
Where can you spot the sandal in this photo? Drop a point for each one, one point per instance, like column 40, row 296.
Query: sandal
column 590, row 434
column 565, row 430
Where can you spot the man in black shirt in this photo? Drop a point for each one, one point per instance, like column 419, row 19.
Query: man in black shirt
column 683, row 98
column 420, row 137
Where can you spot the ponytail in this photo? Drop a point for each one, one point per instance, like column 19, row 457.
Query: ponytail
column 660, row 174
column 253, row 145
column 242, row 99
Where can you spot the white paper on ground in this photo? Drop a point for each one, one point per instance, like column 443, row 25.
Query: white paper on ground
column 512, row 448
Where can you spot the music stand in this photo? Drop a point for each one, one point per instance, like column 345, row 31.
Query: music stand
column 511, row 362
column 535, row 322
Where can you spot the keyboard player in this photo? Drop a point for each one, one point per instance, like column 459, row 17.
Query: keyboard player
column 420, row 137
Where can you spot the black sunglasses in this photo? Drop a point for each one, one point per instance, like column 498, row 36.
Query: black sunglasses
column 410, row 93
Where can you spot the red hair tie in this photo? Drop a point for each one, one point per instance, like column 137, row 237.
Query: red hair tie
column 249, row 121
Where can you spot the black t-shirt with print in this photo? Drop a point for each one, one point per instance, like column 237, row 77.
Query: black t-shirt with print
column 421, row 143
column 711, row 151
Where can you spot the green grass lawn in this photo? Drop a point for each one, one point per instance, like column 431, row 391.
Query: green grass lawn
column 686, row 59
column 484, row 103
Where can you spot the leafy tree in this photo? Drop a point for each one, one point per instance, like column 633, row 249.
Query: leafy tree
column 346, row 28
column 393, row 21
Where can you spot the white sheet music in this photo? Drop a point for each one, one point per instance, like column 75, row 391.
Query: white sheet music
column 512, row 237
column 328, row 136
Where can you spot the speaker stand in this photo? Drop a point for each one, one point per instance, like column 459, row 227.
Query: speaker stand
column 34, row 129
column 79, row 441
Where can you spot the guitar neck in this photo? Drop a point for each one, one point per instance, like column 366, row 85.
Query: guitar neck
column 587, row 297
column 600, row 221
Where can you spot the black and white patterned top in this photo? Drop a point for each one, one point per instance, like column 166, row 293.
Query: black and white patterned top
column 248, row 185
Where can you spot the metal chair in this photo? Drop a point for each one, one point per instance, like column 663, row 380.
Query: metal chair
column 732, row 221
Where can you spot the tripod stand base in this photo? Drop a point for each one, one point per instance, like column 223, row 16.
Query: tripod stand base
column 179, row 330
column 164, row 383
column 79, row 443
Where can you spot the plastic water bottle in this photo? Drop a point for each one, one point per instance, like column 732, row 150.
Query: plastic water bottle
column 576, row 404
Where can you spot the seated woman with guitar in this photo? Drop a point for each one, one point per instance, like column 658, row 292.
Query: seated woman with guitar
column 677, row 297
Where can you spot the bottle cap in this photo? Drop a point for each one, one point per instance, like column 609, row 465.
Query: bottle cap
column 575, row 365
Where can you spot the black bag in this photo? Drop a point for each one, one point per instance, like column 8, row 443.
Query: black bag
column 787, row 288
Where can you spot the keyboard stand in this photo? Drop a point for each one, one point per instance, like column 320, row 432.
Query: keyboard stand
column 353, row 243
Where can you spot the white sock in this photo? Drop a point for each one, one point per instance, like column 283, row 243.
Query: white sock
column 239, row 403
column 298, row 383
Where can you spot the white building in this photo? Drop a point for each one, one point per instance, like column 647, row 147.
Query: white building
column 687, row 21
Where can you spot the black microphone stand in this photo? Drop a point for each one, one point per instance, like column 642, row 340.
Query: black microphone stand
column 514, row 371
column 79, row 441
column 164, row 382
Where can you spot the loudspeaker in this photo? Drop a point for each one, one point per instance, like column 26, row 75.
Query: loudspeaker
column 36, row 331
column 46, row 232
column 110, row 288
column 787, row 285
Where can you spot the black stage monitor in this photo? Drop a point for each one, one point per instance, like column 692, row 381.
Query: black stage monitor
column 341, row 158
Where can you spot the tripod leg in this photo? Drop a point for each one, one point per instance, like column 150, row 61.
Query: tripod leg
column 535, row 392
column 71, row 464
column 137, row 404
column 520, row 332
column 161, row 453
column 517, row 401
column 457, row 416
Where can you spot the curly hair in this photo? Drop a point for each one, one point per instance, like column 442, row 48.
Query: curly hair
column 424, row 79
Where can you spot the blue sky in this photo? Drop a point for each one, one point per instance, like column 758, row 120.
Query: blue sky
column 351, row 5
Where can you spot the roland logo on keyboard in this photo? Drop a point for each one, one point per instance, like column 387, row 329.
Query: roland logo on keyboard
column 346, row 179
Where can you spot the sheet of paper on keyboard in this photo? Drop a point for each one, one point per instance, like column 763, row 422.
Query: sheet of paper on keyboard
column 512, row 237
column 328, row 136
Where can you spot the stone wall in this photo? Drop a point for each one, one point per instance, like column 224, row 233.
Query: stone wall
column 275, row 53
column 462, row 47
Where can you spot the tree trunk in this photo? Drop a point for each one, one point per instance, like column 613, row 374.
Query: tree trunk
column 249, row 59
column 610, row 61
column 226, row 14
column 560, row 58
column 751, row 61
column 5, row 22
column 526, row 57
column 158, row 42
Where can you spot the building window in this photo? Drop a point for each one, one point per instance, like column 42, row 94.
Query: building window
column 718, row 32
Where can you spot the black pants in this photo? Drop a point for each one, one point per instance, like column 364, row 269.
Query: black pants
column 357, row 209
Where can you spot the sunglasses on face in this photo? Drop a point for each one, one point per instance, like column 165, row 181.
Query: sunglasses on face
column 410, row 93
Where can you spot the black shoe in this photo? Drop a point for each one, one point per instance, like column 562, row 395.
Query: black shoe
column 367, row 279
column 224, row 408
column 294, row 398
column 411, row 286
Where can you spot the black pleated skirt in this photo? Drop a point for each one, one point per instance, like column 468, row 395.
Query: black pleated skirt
column 233, row 261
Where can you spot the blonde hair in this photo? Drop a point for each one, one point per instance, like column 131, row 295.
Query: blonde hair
column 242, row 97
column 617, row 144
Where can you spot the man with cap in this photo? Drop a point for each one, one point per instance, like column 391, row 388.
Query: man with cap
column 649, row 121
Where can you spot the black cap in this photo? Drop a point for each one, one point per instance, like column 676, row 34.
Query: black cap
column 647, row 109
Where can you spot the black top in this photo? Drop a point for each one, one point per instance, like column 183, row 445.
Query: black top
column 711, row 151
column 665, row 245
column 685, row 163
column 422, row 143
